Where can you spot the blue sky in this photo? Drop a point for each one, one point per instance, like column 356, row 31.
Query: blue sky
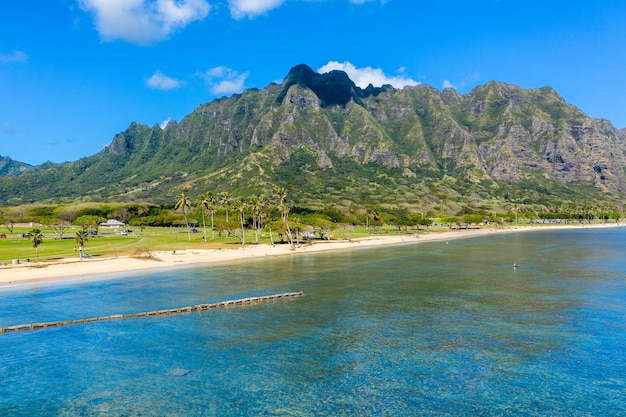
column 73, row 73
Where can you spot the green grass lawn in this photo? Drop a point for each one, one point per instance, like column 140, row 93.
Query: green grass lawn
column 107, row 243
column 149, row 239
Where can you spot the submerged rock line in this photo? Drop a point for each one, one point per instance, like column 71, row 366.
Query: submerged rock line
column 179, row 310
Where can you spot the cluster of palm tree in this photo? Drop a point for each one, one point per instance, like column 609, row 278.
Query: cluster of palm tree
column 258, row 207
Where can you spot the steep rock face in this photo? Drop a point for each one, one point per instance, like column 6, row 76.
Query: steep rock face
column 319, row 129
column 333, row 88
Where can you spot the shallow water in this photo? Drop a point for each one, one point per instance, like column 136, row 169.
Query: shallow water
column 425, row 329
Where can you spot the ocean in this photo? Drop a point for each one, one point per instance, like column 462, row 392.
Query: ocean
column 422, row 329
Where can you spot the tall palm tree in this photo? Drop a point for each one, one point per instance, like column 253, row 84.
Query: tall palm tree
column 37, row 238
column 184, row 204
column 258, row 205
column 241, row 206
column 226, row 200
column 263, row 205
column 284, row 214
column 280, row 193
column 370, row 214
column 212, row 200
column 204, row 201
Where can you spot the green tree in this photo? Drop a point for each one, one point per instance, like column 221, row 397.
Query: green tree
column 370, row 213
column 226, row 200
column 212, row 199
column 89, row 221
column 36, row 238
column 183, row 204
column 280, row 193
column 7, row 221
column 240, row 206
column 81, row 239
column 258, row 205
column 57, row 226
column 142, row 210
column 205, row 202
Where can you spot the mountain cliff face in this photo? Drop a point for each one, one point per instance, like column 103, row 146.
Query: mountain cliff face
column 329, row 140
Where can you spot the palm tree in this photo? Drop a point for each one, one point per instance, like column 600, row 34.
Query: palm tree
column 225, row 200
column 142, row 210
column 370, row 214
column 241, row 206
column 37, row 238
column 258, row 206
column 280, row 193
column 183, row 204
column 261, row 215
column 284, row 214
column 212, row 198
column 514, row 209
column 204, row 201
column 81, row 239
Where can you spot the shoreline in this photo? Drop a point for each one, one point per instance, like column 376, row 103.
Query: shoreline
column 69, row 270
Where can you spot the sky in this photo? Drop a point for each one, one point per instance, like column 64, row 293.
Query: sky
column 74, row 73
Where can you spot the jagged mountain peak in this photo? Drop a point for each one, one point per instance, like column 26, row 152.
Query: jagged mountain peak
column 332, row 88
column 320, row 135
column 9, row 167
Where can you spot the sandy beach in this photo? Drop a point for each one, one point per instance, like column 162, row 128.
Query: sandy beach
column 72, row 269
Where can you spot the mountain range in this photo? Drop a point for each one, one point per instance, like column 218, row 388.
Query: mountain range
column 330, row 142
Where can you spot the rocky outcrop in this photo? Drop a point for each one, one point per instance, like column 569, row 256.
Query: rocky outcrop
column 316, row 131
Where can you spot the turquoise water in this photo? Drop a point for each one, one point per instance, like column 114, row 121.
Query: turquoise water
column 429, row 329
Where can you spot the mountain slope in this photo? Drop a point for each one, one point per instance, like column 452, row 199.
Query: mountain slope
column 11, row 168
column 327, row 140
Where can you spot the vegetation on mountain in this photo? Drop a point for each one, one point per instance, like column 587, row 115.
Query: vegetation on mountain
column 337, row 147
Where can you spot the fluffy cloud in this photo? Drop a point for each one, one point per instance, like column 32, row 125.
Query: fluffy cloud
column 143, row 22
column 15, row 56
column 250, row 8
column 165, row 122
column 160, row 81
column 464, row 83
column 447, row 84
column 362, row 77
column 223, row 80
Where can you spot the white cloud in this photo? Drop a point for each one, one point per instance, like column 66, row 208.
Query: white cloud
column 464, row 83
column 250, row 8
column 224, row 80
column 363, row 77
column 165, row 123
column 160, row 81
column 143, row 21
column 15, row 56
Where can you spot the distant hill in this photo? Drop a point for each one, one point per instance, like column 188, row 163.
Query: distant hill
column 329, row 141
column 11, row 168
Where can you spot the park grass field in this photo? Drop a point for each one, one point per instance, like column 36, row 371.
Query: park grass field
column 109, row 243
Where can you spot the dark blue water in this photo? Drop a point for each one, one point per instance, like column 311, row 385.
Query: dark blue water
column 428, row 329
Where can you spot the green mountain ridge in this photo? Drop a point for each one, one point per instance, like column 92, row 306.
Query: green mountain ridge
column 329, row 141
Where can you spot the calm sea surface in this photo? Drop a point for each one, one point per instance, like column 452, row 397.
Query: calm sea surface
column 429, row 329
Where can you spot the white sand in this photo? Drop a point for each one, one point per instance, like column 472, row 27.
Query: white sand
column 71, row 269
